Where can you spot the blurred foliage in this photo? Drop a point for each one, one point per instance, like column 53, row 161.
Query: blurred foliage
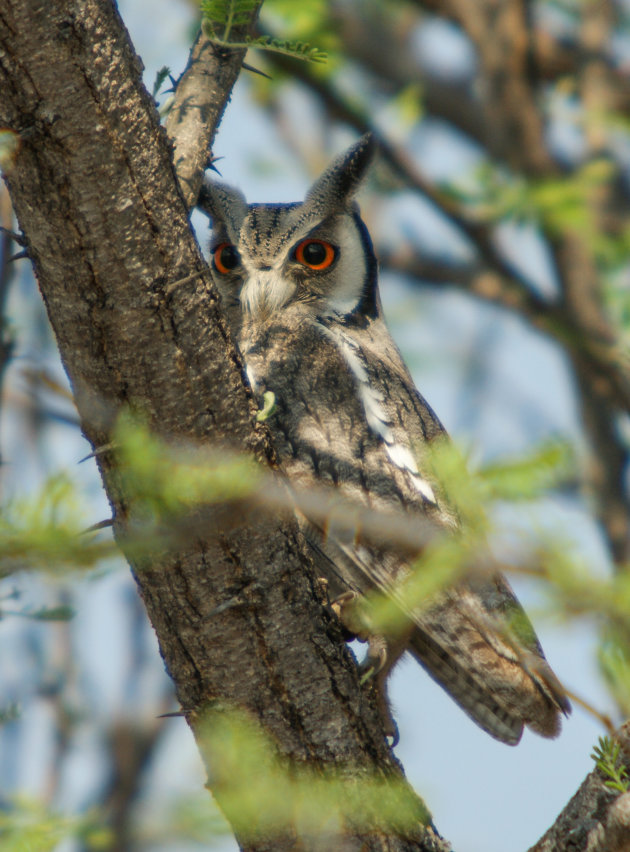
column 557, row 205
column 48, row 531
column 55, row 613
column 302, row 20
column 191, row 819
column 473, row 496
column 408, row 103
column 45, row 532
column 168, row 479
column 27, row 826
column 614, row 659
column 9, row 713
column 260, row 795
column 308, row 21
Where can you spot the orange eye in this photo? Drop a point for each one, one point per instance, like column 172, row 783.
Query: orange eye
column 316, row 254
column 226, row 258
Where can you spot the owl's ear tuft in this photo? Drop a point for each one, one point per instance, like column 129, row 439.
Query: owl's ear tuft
column 334, row 189
column 226, row 207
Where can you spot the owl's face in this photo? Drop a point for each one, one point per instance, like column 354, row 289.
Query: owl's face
column 315, row 256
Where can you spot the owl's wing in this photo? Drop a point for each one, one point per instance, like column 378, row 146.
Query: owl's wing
column 478, row 644
column 475, row 639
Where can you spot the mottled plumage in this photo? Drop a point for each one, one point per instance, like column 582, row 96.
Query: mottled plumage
column 299, row 284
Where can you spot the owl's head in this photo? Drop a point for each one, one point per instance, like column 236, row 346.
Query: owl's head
column 316, row 254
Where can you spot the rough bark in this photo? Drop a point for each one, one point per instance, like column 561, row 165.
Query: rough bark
column 138, row 326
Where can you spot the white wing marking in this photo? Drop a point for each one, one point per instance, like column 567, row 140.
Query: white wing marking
column 251, row 377
column 375, row 414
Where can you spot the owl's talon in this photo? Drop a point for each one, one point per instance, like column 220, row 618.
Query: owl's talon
column 367, row 674
column 376, row 657
column 345, row 608
column 342, row 602
column 393, row 735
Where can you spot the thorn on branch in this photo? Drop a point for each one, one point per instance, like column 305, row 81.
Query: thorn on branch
column 253, row 70
column 104, row 448
column 211, row 164
column 101, row 525
column 20, row 239
column 19, row 256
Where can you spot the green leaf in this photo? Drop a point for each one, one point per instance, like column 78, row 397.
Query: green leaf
column 295, row 49
column 220, row 17
column 607, row 757
column 160, row 77
column 224, row 15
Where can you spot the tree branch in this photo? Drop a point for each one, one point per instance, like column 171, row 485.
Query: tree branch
column 200, row 99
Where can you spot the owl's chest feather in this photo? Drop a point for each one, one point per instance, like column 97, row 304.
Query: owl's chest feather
column 341, row 416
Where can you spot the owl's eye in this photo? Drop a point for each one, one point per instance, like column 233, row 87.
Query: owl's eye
column 226, row 258
column 316, row 254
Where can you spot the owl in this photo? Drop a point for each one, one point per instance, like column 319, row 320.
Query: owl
column 299, row 285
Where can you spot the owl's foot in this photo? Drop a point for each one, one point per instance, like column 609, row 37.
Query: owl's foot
column 346, row 608
column 379, row 660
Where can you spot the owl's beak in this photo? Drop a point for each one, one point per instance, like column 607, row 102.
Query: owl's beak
column 265, row 291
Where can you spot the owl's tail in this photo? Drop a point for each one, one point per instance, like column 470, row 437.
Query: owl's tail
column 500, row 683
